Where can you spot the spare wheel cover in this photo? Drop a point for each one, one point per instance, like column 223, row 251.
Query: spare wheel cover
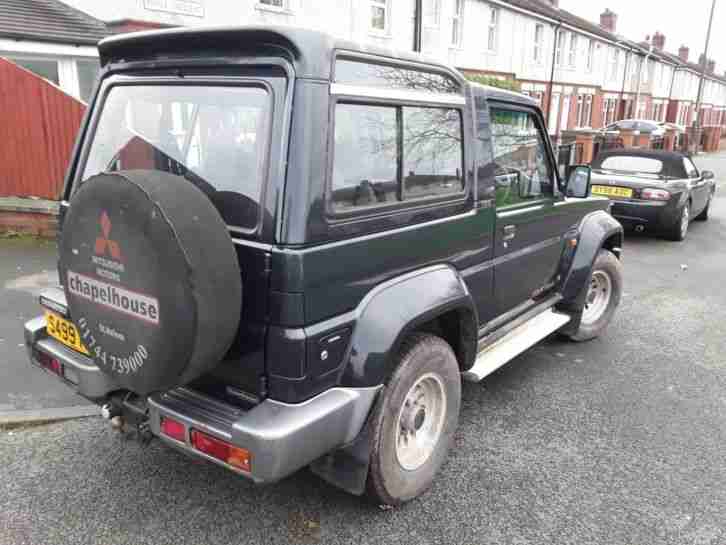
column 151, row 277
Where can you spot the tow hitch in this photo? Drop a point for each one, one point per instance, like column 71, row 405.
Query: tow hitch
column 128, row 414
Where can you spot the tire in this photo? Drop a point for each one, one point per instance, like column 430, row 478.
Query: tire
column 606, row 276
column 703, row 216
column 425, row 364
column 679, row 229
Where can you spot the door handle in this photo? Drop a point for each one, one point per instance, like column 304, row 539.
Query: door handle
column 509, row 231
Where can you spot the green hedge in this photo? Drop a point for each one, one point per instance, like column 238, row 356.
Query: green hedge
column 493, row 81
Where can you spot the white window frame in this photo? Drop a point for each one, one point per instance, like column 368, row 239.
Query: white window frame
column 284, row 8
column 493, row 29
column 386, row 5
column 614, row 64
column 560, row 43
column 538, row 54
column 432, row 19
column 457, row 24
column 590, row 60
column 572, row 51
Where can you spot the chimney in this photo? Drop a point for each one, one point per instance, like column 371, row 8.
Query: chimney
column 659, row 41
column 711, row 67
column 683, row 53
column 609, row 20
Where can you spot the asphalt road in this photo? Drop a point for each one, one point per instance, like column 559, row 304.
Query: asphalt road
column 26, row 267
column 616, row 441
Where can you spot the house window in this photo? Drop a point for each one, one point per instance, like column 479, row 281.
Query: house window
column 87, row 72
column 538, row 42
column 609, row 109
column 46, row 69
column 493, row 29
column 379, row 15
column 590, row 61
column 536, row 95
column 559, row 51
column 431, row 13
column 584, row 110
column 614, row 63
column 572, row 61
column 457, row 24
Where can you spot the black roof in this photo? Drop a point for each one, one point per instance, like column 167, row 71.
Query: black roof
column 49, row 21
column 310, row 51
column 673, row 166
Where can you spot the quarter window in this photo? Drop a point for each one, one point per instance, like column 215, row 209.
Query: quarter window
column 522, row 170
column 387, row 154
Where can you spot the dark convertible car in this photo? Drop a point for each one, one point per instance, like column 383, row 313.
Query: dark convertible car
column 654, row 190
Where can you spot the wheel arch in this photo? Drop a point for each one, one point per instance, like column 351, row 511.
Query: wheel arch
column 433, row 300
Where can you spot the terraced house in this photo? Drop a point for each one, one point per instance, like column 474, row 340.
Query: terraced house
column 583, row 73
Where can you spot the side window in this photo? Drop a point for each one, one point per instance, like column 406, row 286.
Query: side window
column 522, row 170
column 389, row 154
column 691, row 170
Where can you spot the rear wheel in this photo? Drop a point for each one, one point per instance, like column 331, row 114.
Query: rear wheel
column 603, row 297
column 679, row 230
column 414, row 421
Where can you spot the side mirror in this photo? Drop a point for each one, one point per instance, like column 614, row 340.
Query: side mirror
column 578, row 182
column 707, row 175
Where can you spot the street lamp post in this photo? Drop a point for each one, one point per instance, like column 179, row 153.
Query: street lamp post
column 704, row 65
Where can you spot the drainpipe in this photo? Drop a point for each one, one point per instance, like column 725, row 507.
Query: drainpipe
column 418, row 26
column 552, row 71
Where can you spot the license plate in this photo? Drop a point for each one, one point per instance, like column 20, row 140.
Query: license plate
column 64, row 331
column 610, row 191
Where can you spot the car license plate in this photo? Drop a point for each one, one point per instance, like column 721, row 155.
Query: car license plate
column 64, row 331
column 610, row 191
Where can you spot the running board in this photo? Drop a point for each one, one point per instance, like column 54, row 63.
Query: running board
column 514, row 343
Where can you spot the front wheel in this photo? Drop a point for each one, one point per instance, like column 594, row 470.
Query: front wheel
column 603, row 297
column 414, row 421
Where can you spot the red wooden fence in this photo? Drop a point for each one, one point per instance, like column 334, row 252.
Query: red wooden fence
column 38, row 126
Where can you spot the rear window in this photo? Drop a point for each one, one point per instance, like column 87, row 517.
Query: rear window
column 212, row 137
column 629, row 163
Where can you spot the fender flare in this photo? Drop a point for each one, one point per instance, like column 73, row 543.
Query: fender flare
column 394, row 309
column 596, row 231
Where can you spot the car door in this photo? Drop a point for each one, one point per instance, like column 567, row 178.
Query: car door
column 699, row 187
column 529, row 225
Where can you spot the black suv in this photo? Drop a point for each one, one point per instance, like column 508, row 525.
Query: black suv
column 279, row 250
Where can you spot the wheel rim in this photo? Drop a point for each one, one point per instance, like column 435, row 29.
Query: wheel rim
column 684, row 220
column 420, row 421
column 598, row 297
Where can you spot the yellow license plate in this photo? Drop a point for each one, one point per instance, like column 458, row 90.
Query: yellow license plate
column 63, row 330
column 610, row 191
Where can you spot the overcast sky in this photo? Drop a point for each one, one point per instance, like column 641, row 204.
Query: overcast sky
column 682, row 22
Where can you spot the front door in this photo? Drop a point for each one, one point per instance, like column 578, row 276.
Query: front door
column 529, row 223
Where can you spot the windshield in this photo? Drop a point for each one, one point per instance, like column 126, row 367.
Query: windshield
column 629, row 163
column 213, row 137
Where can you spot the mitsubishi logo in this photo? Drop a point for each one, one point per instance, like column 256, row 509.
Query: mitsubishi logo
column 104, row 243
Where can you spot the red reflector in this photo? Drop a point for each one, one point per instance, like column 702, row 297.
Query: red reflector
column 51, row 364
column 173, row 429
column 221, row 450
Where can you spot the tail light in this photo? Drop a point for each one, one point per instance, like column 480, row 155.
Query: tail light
column 172, row 428
column 221, row 450
column 655, row 195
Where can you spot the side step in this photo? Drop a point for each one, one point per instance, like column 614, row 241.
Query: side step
column 514, row 343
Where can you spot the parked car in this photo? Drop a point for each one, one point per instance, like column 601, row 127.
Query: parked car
column 367, row 223
column 644, row 126
column 653, row 190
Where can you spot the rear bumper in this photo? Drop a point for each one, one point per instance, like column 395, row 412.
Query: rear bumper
column 280, row 437
column 651, row 215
